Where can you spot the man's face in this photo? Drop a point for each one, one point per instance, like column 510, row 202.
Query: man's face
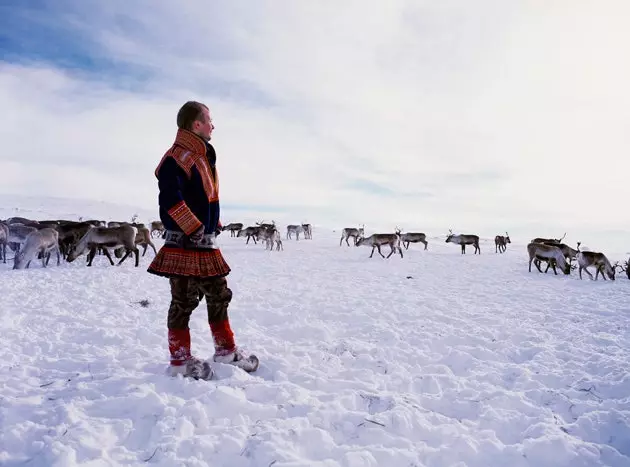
column 204, row 127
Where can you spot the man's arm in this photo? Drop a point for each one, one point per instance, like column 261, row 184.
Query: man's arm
column 171, row 180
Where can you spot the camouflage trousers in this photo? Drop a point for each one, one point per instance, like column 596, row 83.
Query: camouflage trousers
column 187, row 292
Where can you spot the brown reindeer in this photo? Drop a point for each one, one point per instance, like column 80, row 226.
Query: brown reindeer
column 463, row 240
column 107, row 237
column 587, row 259
column 378, row 240
column 352, row 232
column 500, row 243
column 234, row 228
column 413, row 237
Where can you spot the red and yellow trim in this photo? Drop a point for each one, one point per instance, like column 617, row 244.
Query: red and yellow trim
column 184, row 217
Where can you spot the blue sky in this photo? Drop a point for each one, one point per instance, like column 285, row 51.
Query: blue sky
column 479, row 117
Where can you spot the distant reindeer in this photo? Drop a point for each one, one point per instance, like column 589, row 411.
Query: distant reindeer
column 107, row 237
column 38, row 243
column 500, row 243
column 294, row 229
column 413, row 237
column 308, row 231
column 352, row 232
column 234, row 228
column 378, row 240
column 250, row 232
column 463, row 240
column 271, row 236
column 548, row 253
column 586, row 259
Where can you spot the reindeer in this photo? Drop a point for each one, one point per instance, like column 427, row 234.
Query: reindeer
column 234, row 228
column 107, row 237
column 549, row 253
column 410, row 237
column 377, row 240
column 308, row 231
column 17, row 235
column 250, row 232
column 157, row 229
column 271, row 236
column 352, row 232
column 549, row 240
column 294, row 229
column 463, row 240
column 500, row 243
column 4, row 239
column 143, row 239
column 38, row 243
column 568, row 252
column 586, row 259
column 625, row 268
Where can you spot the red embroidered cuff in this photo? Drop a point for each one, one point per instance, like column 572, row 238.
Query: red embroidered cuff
column 184, row 217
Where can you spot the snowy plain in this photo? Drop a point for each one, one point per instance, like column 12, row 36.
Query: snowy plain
column 435, row 359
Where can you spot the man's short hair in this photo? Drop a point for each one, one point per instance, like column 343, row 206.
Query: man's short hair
column 190, row 112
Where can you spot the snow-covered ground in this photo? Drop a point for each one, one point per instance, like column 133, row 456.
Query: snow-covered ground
column 435, row 359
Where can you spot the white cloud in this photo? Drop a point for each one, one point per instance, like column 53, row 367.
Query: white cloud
column 496, row 114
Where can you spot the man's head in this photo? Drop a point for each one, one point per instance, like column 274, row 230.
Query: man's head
column 195, row 116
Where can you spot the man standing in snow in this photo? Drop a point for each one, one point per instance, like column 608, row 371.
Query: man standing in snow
column 189, row 208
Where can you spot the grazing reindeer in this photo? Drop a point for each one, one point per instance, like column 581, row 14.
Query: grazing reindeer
column 463, row 240
column 308, row 231
column 294, row 229
column 410, row 237
column 38, row 243
column 234, row 228
column 17, row 235
column 352, row 232
column 4, row 240
column 250, row 232
column 107, row 237
column 500, row 243
column 586, row 259
column 549, row 253
column 378, row 240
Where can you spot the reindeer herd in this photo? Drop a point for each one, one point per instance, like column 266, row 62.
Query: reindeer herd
column 38, row 240
column 549, row 250
column 30, row 239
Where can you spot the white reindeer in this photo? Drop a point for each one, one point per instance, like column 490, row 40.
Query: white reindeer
column 549, row 253
column 40, row 242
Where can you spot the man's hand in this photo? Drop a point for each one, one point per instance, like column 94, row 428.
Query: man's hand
column 196, row 236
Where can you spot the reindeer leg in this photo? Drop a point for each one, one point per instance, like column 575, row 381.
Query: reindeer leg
column 587, row 272
column 378, row 247
column 537, row 264
column 372, row 250
column 391, row 252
